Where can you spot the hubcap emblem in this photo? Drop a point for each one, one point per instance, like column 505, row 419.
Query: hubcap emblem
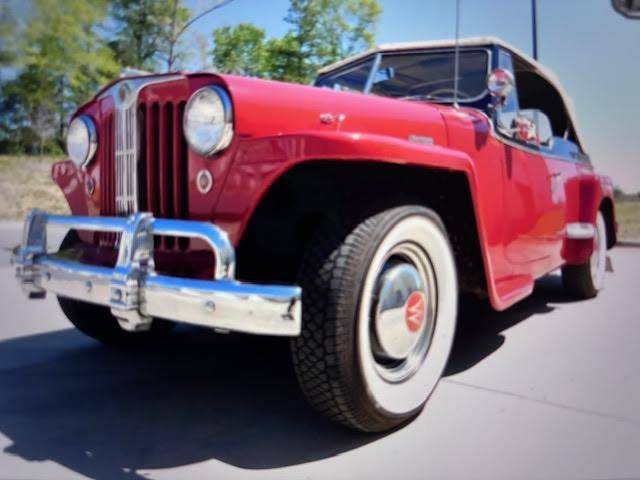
column 414, row 311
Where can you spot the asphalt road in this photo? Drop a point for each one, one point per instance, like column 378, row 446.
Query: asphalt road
column 548, row 389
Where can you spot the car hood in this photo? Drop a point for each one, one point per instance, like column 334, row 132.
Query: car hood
column 271, row 108
column 267, row 108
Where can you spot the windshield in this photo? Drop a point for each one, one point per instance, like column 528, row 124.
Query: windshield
column 425, row 75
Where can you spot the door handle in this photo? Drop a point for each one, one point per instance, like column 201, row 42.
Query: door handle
column 555, row 174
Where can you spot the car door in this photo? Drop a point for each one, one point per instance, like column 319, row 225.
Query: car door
column 527, row 188
column 561, row 158
column 561, row 169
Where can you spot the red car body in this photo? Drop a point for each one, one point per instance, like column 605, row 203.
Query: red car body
column 522, row 200
column 350, row 222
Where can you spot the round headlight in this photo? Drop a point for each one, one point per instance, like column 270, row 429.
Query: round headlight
column 82, row 140
column 208, row 120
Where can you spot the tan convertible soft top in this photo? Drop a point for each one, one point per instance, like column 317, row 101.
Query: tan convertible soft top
column 543, row 71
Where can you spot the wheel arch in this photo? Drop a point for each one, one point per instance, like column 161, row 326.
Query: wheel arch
column 608, row 212
column 313, row 190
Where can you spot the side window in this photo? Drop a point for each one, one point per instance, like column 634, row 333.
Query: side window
column 535, row 113
column 509, row 111
column 547, row 110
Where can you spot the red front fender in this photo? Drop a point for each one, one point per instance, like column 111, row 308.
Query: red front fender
column 261, row 162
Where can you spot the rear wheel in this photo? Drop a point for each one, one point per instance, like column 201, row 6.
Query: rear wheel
column 379, row 306
column 96, row 321
column 586, row 280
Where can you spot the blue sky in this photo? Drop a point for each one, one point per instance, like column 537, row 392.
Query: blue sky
column 590, row 47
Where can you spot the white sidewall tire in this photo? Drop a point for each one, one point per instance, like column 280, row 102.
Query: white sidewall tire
column 402, row 398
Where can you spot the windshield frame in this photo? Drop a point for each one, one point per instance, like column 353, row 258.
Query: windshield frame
column 377, row 60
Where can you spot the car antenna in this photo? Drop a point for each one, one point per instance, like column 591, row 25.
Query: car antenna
column 456, row 61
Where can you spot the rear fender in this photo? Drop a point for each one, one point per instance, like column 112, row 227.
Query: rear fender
column 585, row 196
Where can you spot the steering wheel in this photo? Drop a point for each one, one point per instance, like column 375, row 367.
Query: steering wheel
column 449, row 91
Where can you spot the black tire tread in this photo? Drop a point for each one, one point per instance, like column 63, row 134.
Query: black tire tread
column 331, row 276
column 577, row 281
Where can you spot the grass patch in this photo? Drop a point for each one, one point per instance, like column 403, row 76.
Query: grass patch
column 25, row 183
column 628, row 216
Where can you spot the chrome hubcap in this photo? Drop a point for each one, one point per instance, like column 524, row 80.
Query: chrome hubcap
column 403, row 312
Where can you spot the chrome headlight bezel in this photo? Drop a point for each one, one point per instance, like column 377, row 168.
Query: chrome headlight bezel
column 220, row 141
column 82, row 158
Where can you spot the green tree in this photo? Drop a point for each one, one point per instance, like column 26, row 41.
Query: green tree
column 174, row 23
column 138, row 31
column 29, row 109
column 323, row 31
column 240, row 50
column 7, row 33
column 329, row 30
column 60, row 47
column 284, row 59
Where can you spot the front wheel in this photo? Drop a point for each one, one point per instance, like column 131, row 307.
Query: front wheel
column 586, row 280
column 379, row 315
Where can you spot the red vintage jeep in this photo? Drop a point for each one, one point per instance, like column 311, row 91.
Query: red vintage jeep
column 359, row 210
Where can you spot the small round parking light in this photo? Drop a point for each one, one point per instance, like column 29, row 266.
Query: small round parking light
column 204, row 181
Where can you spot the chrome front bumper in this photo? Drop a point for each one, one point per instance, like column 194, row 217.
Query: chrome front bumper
column 136, row 293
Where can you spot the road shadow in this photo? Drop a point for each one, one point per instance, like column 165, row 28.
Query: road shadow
column 479, row 332
column 108, row 413
column 196, row 396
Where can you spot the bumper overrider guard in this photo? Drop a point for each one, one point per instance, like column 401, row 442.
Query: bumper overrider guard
column 136, row 293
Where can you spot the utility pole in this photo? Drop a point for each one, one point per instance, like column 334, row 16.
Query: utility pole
column 534, row 26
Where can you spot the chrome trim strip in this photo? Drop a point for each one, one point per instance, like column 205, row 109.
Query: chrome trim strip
column 580, row 231
column 136, row 293
column 125, row 97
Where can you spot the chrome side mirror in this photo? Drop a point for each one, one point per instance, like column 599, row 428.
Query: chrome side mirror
column 500, row 84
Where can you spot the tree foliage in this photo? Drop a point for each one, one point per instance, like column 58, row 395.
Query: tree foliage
column 146, row 33
column 138, row 31
column 329, row 30
column 240, row 50
column 60, row 63
column 284, row 60
column 172, row 24
column 61, row 41
column 322, row 31
column 7, row 32
column 149, row 33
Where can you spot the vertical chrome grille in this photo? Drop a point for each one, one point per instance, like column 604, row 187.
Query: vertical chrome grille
column 126, row 138
column 126, row 159
column 106, row 155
